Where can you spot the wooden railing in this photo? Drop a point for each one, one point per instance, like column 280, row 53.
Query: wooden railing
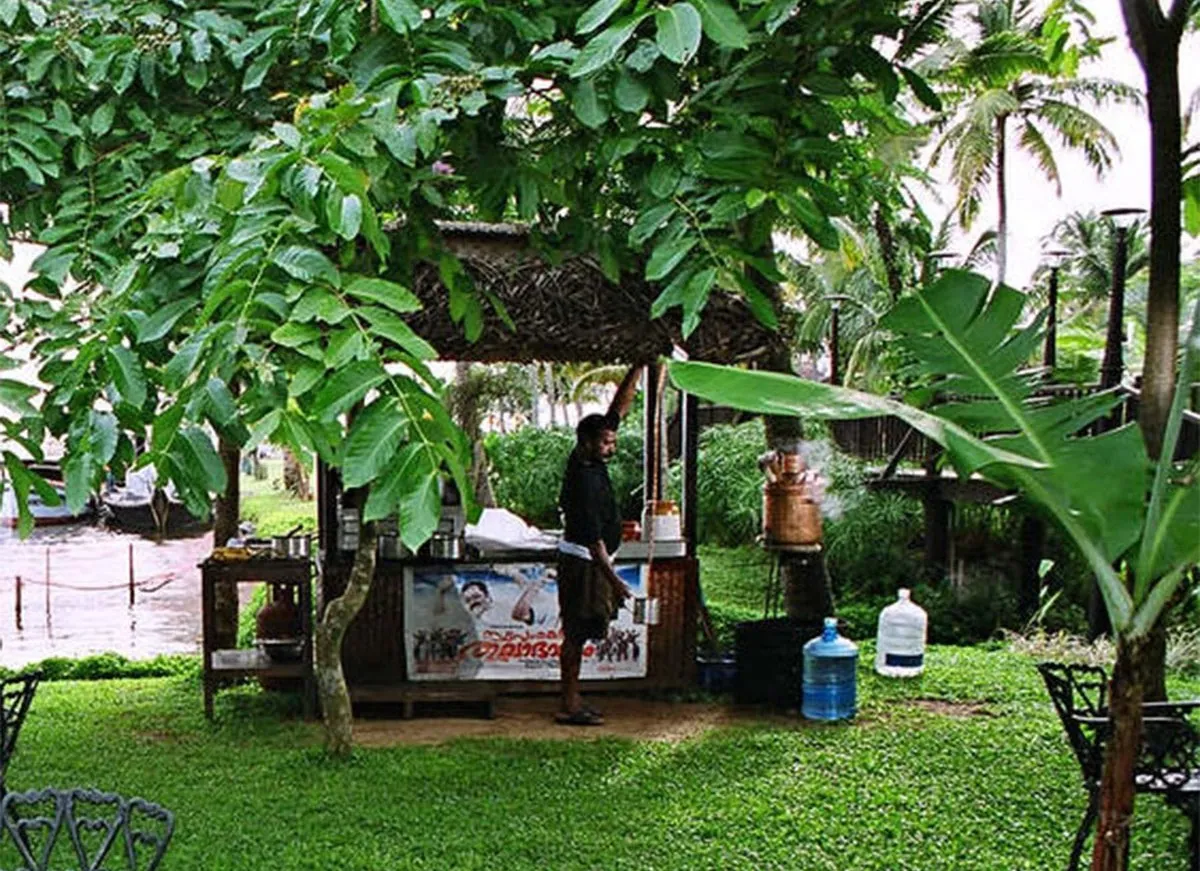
column 890, row 440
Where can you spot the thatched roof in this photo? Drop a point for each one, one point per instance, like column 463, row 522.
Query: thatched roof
column 569, row 312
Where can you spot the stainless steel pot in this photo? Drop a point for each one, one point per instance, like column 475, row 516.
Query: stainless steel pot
column 392, row 547
column 291, row 546
column 445, row 546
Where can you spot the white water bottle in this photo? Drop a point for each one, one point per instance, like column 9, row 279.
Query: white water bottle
column 900, row 642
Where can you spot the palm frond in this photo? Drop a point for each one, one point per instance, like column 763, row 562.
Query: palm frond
column 1093, row 89
column 1031, row 140
column 928, row 26
column 1002, row 58
column 1080, row 130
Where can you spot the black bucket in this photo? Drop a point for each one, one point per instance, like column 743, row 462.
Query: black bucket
column 716, row 674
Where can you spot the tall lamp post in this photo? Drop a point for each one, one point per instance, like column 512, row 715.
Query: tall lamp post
column 1055, row 258
column 1113, row 366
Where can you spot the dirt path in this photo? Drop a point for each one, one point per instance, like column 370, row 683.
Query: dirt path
column 534, row 718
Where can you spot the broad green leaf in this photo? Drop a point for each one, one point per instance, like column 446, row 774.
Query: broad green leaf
column 649, row 222
column 586, row 105
column 127, row 375
column 346, row 387
column 221, row 404
column 263, row 428
column 183, row 362
column 77, row 472
column 420, row 504
column 667, row 255
column 373, row 440
column 722, row 24
column 102, row 119
column 351, row 217
column 163, row 319
column 390, row 328
column 596, row 14
column 16, row 395
column 293, row 335
column 603, row 47
column 402, row 16
column 165, row 428
column 678, row 31
column 921, row 89
column 346, row 175
column 629, row 93
column 201, row 464
column 305, row 377
column 397, row 297
column 344, row 345
column 103, row 436
column 306, row 264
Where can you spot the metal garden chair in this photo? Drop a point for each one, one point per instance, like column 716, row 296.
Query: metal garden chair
column 82, row 830
column 15, row 695
column 1169, row 762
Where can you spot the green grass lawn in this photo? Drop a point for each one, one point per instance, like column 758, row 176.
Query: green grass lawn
column 271, row 508
column 902, row 788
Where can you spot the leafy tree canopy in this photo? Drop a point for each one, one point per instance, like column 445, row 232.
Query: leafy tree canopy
column 233, row 198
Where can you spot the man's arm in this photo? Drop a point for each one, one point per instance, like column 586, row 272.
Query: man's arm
column 624, row 398
column 600, row 556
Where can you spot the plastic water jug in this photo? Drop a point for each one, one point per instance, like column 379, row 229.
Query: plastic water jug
column 900, row 643
column 830, row 689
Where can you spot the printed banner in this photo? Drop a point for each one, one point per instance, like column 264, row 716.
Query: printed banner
column 500, row 622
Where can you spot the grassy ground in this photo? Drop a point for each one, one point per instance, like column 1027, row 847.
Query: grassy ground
column 271, row 508
column 905, row 787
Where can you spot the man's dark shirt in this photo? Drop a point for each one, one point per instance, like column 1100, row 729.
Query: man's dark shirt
column 589, row 507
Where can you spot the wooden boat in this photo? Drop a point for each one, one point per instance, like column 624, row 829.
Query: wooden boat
column 43, row 514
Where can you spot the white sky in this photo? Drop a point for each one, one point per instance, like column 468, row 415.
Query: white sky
column 1033, row 208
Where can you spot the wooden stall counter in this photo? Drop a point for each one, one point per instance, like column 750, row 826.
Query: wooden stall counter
column 475, row 628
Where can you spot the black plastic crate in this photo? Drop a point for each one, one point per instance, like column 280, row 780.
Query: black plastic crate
column 770, row 660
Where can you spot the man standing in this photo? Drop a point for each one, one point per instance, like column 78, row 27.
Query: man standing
column 589, row 590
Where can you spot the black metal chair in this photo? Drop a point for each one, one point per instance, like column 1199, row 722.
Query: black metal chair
column 1168, row 764
column 15, row 695
column 96, row 830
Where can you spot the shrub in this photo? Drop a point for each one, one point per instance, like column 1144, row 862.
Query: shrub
column 110, row 666
column 527, row 468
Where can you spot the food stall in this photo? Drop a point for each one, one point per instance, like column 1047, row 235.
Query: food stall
column 475, row 613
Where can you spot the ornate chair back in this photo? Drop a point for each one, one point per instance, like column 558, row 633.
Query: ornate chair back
column 52, row 829
column 15, row 695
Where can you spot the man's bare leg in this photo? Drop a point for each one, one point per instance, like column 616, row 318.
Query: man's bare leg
column 570, row 658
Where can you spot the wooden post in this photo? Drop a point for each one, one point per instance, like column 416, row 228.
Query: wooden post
column 131, row 574
column 1033, row 534
column 806, row 590
column 1113, row 366
column 835, row 376
column 938, row 515
column 691, row 462
column 1050, row 351
column 18, row 603
column 650, row 480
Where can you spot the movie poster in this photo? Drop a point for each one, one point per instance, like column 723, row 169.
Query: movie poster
column 500, row 622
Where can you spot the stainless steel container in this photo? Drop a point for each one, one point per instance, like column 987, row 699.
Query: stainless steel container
column 391, row 547
column 444, row 546
column 291, row 546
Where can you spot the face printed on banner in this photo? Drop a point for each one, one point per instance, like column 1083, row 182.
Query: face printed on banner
column 476, row 598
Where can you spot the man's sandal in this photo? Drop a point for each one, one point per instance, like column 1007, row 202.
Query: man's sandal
column 582, row 717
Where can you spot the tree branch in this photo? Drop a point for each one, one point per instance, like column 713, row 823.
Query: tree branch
column 1180, row 11
column 1143, row 22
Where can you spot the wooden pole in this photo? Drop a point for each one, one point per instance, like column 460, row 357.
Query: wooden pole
column 1050, row 352
column 691, row 463
column 131, row 574
column 18, row 603
column 835, row 375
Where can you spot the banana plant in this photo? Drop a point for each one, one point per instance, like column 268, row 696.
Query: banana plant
column 1136, row 522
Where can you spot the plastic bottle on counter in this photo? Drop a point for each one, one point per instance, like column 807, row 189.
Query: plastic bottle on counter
column 900, row 642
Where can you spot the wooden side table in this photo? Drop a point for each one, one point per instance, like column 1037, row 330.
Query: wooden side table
column 219, row 664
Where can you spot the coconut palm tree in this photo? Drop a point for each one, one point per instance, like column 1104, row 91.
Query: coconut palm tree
column 1018, row 75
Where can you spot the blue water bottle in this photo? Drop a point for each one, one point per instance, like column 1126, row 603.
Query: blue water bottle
column 830, row 681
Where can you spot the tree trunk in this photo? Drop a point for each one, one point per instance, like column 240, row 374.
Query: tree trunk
column 1002, row 198
column 535, row 378
column 1162, row 304
column 331, row 629
column 226, row 508
column 1111, row 849
column 887, row 251
column 551, row 394
column 1155, row 37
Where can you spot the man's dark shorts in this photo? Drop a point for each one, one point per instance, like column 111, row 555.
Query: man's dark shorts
column 578, row 581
